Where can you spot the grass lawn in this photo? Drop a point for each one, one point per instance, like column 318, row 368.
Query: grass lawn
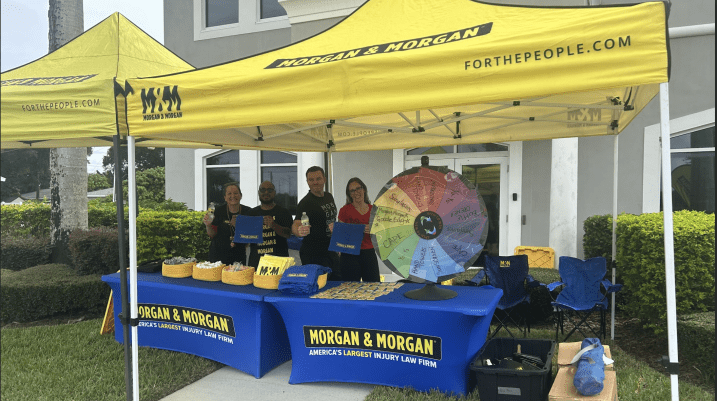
column 75, row 362
column 635, row 381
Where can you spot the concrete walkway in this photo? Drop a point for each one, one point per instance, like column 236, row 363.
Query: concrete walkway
column 228, row 384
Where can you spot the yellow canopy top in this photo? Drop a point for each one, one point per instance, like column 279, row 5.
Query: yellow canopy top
column 401, row 74
column 67, row 98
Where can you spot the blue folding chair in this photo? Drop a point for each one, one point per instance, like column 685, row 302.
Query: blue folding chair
column 510, row 274
column 582, row 294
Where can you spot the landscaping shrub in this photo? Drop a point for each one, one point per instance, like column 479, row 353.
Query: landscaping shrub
column 101, row 213
column 21, row 253
column 597, row 240
column 161, row 235
column 640, row 253
column 43, row 291
column 96, row 250
column 29, row 219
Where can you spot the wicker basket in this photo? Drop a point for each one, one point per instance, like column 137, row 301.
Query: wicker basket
column 269, row 282
column 241, row 277
column 322, row 280
column 213, row 274
column 178, row 271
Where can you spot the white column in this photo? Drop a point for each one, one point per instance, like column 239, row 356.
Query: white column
column 515, row 186
column 304, row 161
column 564, row 197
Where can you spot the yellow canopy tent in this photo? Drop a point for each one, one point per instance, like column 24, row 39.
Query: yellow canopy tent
column 418, row 73
column 67, row 98
column 402, row 74
column 422, row 73
column 71, row 98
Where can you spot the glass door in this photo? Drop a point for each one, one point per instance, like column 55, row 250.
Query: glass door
column 489, row 175
column 450, row 163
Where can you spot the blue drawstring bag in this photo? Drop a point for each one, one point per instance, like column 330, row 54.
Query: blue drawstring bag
column 590, row 372
column 302, row 279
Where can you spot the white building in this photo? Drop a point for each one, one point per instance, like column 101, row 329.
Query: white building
column 517, row 179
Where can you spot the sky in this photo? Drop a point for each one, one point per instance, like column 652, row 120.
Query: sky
column 24, row 30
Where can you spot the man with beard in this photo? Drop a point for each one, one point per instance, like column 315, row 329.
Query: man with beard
column 277, row 223
column 320, row 208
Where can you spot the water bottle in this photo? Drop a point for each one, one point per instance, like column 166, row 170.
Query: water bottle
column 211, row 210
column 304, row 219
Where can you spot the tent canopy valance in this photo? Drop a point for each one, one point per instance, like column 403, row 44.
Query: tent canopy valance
column 398, row 75
column 67, row 98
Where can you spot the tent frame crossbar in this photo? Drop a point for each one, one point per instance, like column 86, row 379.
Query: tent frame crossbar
column 446, row 121
column 291, row 131
column 564, row 105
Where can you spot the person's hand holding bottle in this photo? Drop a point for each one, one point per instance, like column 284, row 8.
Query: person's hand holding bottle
column 305, row 228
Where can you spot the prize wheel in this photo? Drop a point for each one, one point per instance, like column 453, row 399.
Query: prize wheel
column 428, row 224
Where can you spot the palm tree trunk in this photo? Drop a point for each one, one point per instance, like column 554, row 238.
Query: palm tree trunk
column 68, row 166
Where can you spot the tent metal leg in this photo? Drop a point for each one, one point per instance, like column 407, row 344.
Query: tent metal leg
column 123, row 267
column 132, row 199
column 668, row 236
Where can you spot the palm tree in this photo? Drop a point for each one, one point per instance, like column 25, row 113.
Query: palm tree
column 68, row 166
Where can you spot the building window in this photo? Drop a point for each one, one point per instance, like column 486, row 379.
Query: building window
column 221, row 168
column 281, row 169
column 270, row 9
column 222, row 18
column 693, row 167
column 436, row 150
column 221, row 12
column 482, row 147
column 476, row 148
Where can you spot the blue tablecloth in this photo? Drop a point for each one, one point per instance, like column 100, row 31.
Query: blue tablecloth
column 226, row 323
column 392, row 340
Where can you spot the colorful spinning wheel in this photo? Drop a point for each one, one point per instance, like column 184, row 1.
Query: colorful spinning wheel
column 428, row 224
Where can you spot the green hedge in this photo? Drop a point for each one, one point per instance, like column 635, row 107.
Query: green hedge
column 641, row 257
column 29, row 219
column 161, row 235
column 597, row 240
column 96, row 250
column 21, row 253
column 34, row 218
column 104, row 214
column 640, row 261
column 43, row 291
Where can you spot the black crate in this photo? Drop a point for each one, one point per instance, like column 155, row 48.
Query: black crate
column 496, row 384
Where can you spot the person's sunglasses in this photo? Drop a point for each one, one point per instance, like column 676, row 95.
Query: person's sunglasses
column 263, row 190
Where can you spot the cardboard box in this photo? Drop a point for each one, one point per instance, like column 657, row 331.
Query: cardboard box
column 566, row 352
column 564, row 390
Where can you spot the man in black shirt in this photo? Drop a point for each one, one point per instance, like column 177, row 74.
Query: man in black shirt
column 320, row 208
column 277, row 223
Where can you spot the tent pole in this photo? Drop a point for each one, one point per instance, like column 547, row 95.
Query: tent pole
column 614, row 230
column 330, row 170
column 329, row 161
column 668, row 236
column 122, row 266
column 132, row 199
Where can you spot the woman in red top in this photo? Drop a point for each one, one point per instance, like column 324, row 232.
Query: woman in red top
column 357, row 210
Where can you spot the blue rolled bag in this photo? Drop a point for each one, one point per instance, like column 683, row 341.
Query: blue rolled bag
column 590, row 372
column 302, row 279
